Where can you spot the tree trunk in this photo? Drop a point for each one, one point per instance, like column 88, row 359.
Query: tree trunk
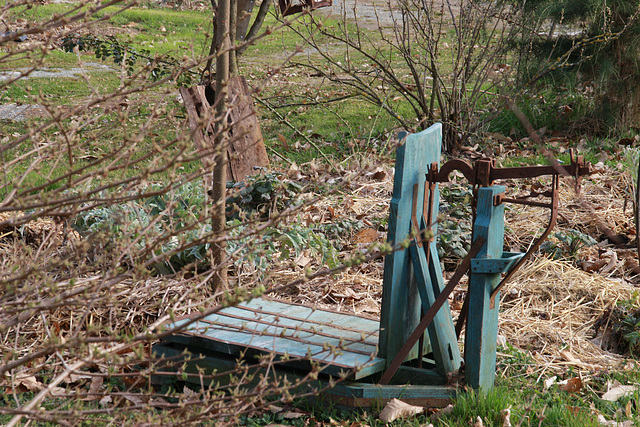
column 218, row 249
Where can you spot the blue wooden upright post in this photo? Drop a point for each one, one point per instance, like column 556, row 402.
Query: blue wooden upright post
column 482, row 321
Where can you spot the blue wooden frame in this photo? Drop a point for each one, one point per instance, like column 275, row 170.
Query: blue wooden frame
column 410, row 282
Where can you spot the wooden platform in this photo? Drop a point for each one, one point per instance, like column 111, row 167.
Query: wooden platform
column 339, row 342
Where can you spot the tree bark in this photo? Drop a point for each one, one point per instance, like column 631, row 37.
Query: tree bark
column 218, row 248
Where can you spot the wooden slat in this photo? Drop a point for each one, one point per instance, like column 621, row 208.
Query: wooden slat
column 246, row 147
column 298, row 334
column 298, row 331
column 351, row 394
column 290, row 329
column 401, row 306
column 337, row 363
column 347, row 322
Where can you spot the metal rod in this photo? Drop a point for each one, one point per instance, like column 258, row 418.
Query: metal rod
column 532, row 249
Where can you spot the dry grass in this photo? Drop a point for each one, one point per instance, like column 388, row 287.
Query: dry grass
column 549, row 309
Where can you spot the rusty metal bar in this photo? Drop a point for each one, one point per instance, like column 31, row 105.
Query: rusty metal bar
column 484, row 172
column 538, row 242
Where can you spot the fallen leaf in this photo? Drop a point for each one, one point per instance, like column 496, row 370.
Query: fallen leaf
column 303, row 261
column 395, row 409
column 105, row 401
column 366, row 235
column 58, row 391
column 94, row 388
column 283, row 141
column 133, row 398
column 478, row 422
column 275, row 409
column 292, row 415
column 442, row 413
column 617, row 392
column 31, row 383
column 158, row 402
column 506, row 417
column 604, row 422
column 572, row 385
column 379, row 175
column 73, row 378
column 549, row 382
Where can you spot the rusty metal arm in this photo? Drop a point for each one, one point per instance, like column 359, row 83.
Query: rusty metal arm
column 552, row 223
column 484, row 172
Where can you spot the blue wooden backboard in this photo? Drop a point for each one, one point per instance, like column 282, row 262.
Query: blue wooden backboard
column 402, row 297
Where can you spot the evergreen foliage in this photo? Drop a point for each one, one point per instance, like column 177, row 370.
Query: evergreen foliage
column 589, row 46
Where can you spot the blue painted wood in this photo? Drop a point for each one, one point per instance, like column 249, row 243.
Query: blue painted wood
column 221, row 325
column 442, row 334
column 482, row 322
column 348, row 393
column 400, row 310
column 343, row 342
column 497, row 265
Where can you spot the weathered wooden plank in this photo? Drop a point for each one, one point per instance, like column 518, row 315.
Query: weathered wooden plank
column 246, row 148
column 295, row 333
column 339, row 321
column 482, row 322
column 321, row 338
column 328, row 327
column 314, row 325
column 337, row 362
column 497, row 265
column 442, row 333
column 348, row 393
column 400, row 311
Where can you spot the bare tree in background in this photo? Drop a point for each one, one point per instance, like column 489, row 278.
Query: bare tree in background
column 426, row 61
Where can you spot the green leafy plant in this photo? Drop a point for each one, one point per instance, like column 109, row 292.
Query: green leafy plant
column 454, row 225
column 260, row 195
column 625, row 321
column 567, row 244
column 174, row 213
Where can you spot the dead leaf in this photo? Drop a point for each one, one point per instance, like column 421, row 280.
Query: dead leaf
column 303, row 261
column 618, row 391
column 572, row 385
column 442, row 412
column 478, row 422
column 604, row 422
column 31, row 383
column 106, row 400
column 549, row 382
column 94, row 388
column 395, row 409
column 366, row 235
column 292, row 415
column 74, row 378
column 133, row 398
column 506, row 417
column 283, row 141
column 593, row 265
column 58, row 391
column 613, row 263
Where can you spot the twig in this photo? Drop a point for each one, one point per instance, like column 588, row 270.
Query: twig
column 286, row 122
